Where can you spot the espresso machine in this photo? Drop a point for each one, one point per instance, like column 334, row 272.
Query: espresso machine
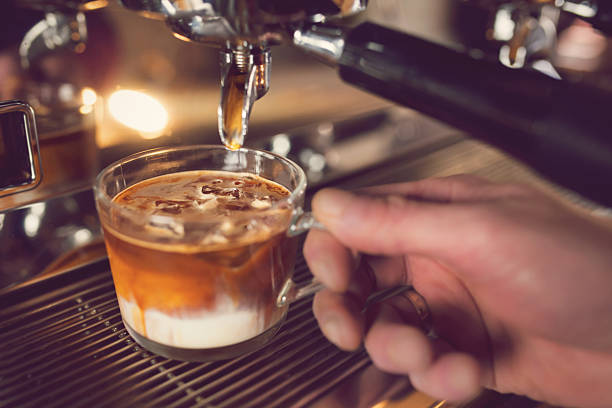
column 558, row 126
column 509, row 96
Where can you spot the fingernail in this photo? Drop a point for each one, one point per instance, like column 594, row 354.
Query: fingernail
column 462, row 378
column 329, row 204
column 459, row 380
column 332, row 330
column 321, row 269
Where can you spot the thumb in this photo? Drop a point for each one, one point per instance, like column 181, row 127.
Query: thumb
column 394, row 225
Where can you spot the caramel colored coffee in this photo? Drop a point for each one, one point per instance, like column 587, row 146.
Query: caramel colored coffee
column 206, row 267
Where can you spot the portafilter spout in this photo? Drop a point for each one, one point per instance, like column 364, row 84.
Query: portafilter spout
column 245, row 77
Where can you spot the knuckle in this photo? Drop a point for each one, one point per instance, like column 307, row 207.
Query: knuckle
column 519, row 190
column 470, row 179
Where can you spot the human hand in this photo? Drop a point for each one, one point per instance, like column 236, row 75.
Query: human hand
column 519, row 287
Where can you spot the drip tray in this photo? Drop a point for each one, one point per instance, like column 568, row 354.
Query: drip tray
column 64, row 344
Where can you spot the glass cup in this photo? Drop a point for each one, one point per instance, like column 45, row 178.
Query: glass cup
column 194, row 299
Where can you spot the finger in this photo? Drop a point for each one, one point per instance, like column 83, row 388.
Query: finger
column 340, row 319
column 334, row 266
column 329, row 261
column 452, row 307
column 397, row 344
column 375, row 274
column 398, row 348
column 387, row 271
column 395, row 339
column 393, row 225
column 461, row 187
column 453, row 376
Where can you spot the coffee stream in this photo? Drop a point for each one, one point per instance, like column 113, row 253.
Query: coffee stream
column 232, row 132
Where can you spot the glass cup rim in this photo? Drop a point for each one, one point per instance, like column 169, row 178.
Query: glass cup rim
column 103, row 196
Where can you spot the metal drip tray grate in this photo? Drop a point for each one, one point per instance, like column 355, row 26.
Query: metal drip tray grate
column 63, row 344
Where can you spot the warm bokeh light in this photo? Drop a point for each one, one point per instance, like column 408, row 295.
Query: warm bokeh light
column 138, row 111
column 88, row 96
column 88, row 100
column 95, row 4
column 86, row 109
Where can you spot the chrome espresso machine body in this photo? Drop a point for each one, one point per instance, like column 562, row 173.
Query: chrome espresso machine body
column 557, row 126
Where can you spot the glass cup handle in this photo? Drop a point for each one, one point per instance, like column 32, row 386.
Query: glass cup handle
column 300, row 223
column 291, row 292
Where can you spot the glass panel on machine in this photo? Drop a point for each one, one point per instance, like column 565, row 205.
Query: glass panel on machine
column 17, row 167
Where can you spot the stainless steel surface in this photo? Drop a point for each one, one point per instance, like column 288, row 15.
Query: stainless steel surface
column 56, row 31
column 253, row 21
column 63, row 344
column 246, row 27
column 325, row 43
column 581, row 8
column 49, row 235
column 66, row 152
column 244, row 30
column 40, row 71
column 19, row 149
